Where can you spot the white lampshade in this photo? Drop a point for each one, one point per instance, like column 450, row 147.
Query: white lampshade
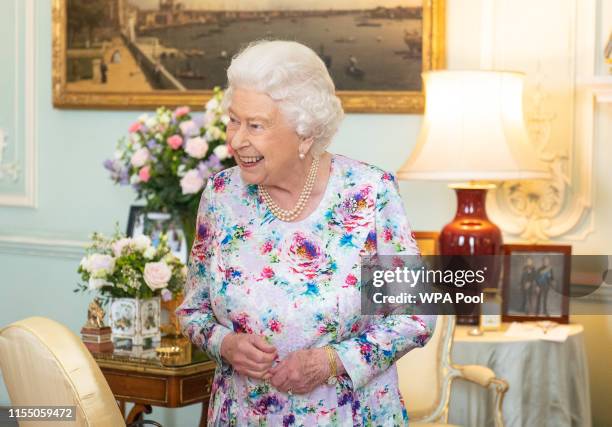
column 473, row 130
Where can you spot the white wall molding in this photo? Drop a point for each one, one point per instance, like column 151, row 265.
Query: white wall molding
column 559, row 113
column 55, row 247
column 30, row 156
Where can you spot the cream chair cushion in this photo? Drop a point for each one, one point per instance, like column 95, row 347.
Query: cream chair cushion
column 44, row 363
column 420, row 372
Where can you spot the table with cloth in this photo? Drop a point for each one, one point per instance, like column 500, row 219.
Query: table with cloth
column 548, row 380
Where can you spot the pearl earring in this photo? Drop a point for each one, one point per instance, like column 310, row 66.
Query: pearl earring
column 302, row 156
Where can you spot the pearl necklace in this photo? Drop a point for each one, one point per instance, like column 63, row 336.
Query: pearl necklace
column 290, row 215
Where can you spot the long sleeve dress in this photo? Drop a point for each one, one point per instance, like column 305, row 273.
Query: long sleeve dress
column 298, row 285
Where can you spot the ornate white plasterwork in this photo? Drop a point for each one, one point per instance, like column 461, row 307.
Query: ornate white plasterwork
column 23, row 142
column 8, row 171
column 559, row 208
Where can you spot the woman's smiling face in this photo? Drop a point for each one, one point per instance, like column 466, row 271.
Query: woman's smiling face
column 265, row 144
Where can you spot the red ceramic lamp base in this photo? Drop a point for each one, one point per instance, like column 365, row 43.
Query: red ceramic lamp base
column 471, row 232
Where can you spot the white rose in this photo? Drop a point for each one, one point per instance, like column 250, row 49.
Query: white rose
column 192, row 182
column 221, row 151
column 196, row 147
column 140, row 157
column 98, row 283
column 151, row 122
column 101, row 265
column 120, row 244
column 165, row 118
column 143, row 118
column 149, row 253
column 142, row 242
column 213, row 133
column 157, row 275
column 212, row 104
column 169, row 257
column 135, row 138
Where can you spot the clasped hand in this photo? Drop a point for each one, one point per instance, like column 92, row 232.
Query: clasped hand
column 300, row 372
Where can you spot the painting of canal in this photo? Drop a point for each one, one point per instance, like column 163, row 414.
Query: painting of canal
column 116, row 46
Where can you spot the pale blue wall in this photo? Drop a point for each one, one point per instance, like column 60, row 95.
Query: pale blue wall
column 75, row 196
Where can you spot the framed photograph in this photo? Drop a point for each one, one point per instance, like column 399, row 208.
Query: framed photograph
column 139, row 54
column 153, row 224
column 536, row 282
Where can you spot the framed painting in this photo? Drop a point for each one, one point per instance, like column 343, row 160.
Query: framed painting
column 140, row 54
column 536, row 282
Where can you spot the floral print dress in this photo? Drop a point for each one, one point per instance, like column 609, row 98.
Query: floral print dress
column 298, row 285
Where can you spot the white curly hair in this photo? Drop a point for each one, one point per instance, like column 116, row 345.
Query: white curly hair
column 296, row 78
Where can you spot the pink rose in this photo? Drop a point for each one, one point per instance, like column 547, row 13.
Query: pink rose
column 196, row 147
column 192, row 182
column 175, row 141
column 145, row 174
column 140, row 157
column 157, row 275
column 135, row 127
column 181, row 111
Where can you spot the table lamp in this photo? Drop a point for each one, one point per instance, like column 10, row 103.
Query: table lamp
column 473, row 134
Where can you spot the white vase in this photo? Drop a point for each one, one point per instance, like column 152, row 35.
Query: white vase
column 135, row 323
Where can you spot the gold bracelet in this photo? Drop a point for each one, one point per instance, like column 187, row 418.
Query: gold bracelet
column 333, row 369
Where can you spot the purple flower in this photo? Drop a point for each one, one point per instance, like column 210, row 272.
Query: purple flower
column 151, row 143
column 108, row 164
column 213, row 162
column 210, row 166
column 198, row 120
column 117, row 171
column 124, row 177
column 166, row 294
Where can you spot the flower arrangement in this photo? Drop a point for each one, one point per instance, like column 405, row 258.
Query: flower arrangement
column 168, row 157
column 124, row 267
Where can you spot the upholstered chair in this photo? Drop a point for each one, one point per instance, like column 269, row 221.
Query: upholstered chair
column 426, row 375
column 44, row 363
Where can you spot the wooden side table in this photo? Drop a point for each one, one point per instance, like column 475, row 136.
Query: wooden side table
column 147, row 382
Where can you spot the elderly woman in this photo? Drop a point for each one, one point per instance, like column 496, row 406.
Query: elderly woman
column 273, row 291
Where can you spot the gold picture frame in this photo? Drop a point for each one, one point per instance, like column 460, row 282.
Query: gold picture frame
column 354, row 101
column 427, row 242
